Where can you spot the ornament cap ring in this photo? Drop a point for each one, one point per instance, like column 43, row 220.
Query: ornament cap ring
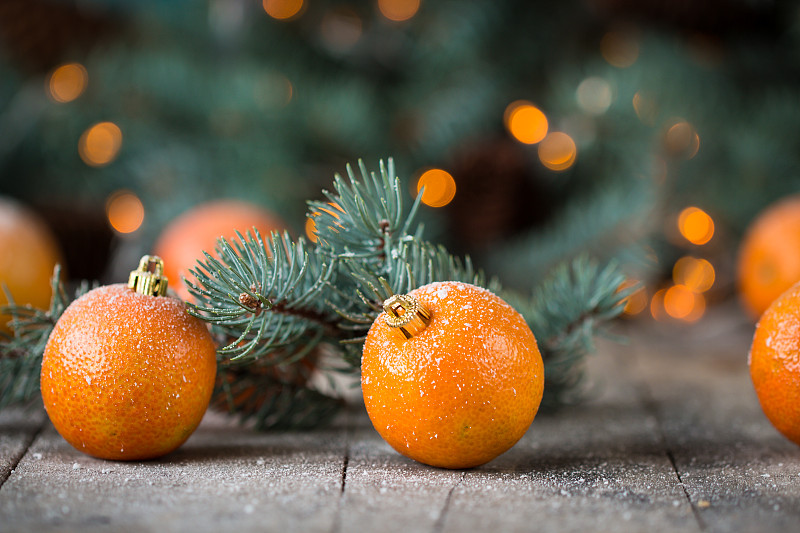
column 406, row 314
column 149, row 278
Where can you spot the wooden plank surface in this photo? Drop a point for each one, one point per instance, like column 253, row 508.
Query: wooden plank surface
column 17, row 430
column 672, row 439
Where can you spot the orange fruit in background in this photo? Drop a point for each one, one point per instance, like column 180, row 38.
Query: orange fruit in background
column 185, row 238
column 28, row 255
column 775, row 363
column 463, row 388
column 127, row 375
column 769, row 256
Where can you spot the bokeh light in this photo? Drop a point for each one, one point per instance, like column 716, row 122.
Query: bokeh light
column 620, row 49
column 557, row 151
column 398, row 10
column 282, row 9
column 594, row 95
column 696, row 274
column 272, row 90
column 100, row 144
column 695, row 225
column 657, row 305
column 311, row 229
column 526, row 122
column 440, row 187
column 681, row 140
column 125, row 211
column 682, row 303
column 340, row 29
column 637, row 301
column 68, row 82
column 646, row 107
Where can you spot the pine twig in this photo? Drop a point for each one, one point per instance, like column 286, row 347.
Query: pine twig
column 21, row 353
column 566, row 312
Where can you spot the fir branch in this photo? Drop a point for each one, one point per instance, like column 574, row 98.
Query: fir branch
column 365, row 218
column 21, row 352
column 261, row 301
column 566, row 312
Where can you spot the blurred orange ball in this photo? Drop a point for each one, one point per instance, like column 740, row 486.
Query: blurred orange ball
column 184, row 239
column 28, row 255
column 769, row 256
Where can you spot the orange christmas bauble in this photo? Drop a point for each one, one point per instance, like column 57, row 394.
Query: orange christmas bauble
column 451, row 375
column 775, row 363
column 127, row 375
column 28, row 255
column 769, row 257
column 184, row 240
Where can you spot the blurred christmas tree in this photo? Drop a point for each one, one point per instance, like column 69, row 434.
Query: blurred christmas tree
column 564, row 126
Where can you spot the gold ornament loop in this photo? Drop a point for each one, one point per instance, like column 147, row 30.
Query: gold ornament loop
column 406, row 314
column 149, row 278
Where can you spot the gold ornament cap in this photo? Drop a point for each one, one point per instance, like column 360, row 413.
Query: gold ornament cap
column 406, row 315
column 149, row 278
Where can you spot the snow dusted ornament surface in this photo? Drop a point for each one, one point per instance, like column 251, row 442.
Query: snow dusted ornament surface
column 451, row 375
column 127, row 373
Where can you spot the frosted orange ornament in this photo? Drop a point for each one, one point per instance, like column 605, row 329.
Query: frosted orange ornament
column 127, row 373
column 185, row 238
column 28, row 255
column 451, row 375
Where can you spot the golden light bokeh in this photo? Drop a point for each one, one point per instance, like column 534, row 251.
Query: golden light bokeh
column 682, row 303
column 125, row 211
column 681, row 140
column 657, row 305
column 695, row 225
column 332, row 212
column 637, row 301
column 646, row 108
column 697, row 275
column 100, row 144
column 440, row 187
column 282, row 9
column 594, row 95
column 311, row 229
column 620, row 49
column 526, row 122
column 557, row 151
column 678, row 301
column 398, row 10
column 68, row 82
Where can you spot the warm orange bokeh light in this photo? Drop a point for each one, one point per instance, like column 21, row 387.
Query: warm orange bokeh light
column 557, row 151
column 679, row 301
column 311, row 229
column 440, row 187
column 282, row 9
column 68, row 82
column 682, row 140
column 636, row 302
column 100, row 144
column 526, row 122
column 619, row 49
column 695, row 274
column 657, row 305
column 125, row 212
column 682, row 303
column 696, row 225
column 398, row 10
